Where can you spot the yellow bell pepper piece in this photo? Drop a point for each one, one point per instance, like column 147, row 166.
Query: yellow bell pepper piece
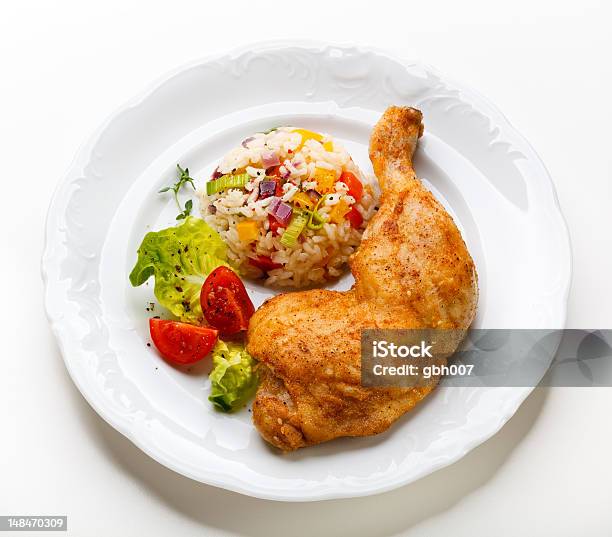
column 336, row 215
column 311, row 135
column 248, row 230
column 326, row 179
column 308, row 135
column 302, row 200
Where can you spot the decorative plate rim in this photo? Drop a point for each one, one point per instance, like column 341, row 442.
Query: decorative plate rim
column 228, row 481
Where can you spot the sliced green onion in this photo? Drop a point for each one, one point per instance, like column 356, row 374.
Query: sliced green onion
column 227, row 181
column 295, row 228
column 316, row 221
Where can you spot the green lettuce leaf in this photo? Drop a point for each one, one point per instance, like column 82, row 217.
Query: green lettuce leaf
column 180, row 258
column 234, row 378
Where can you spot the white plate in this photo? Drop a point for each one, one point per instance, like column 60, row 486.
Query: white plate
column 485, row 173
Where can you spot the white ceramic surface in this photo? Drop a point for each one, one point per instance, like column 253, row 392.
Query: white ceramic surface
column 481, row 169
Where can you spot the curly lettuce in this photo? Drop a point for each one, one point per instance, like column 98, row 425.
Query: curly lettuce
column 234, row 376
column 180, row 258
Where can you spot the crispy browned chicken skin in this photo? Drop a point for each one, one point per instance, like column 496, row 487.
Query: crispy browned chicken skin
column 412, row 270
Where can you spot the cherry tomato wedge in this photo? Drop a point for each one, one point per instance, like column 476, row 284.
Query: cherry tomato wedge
column 354, row 217
column 225, row 302
column 182, row 343
column 264, row 263
column 355, row 188
column 274, row 225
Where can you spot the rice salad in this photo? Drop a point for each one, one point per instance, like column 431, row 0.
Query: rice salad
column 291, row 205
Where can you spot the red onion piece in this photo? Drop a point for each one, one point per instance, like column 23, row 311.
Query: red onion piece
column 269, row 159
column 280, row 210
column 273, row 205
column 283, row 213
column 216, row 174
column 267, row 189
column 246, row 141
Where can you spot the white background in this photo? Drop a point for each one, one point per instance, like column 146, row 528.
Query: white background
column 67, row 65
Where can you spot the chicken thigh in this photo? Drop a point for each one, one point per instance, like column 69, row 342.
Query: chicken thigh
column 412, row 270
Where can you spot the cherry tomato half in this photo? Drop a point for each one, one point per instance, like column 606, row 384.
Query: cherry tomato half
column 182, row 343
column 354, row 217
column 264, row 263
column 225, row 302
column 355, row 188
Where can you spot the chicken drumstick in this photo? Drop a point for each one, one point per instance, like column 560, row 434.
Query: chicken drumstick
column 412, row 270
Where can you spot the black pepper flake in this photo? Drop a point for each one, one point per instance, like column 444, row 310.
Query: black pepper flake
column 148, row 344
column 178, row 288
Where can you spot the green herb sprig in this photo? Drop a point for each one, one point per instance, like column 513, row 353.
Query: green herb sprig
column 183, row 179
column 187, row 211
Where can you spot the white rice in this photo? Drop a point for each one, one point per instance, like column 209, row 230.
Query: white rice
column 320, row 255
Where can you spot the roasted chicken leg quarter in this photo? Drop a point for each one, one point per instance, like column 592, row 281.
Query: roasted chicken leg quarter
column 412, row 270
